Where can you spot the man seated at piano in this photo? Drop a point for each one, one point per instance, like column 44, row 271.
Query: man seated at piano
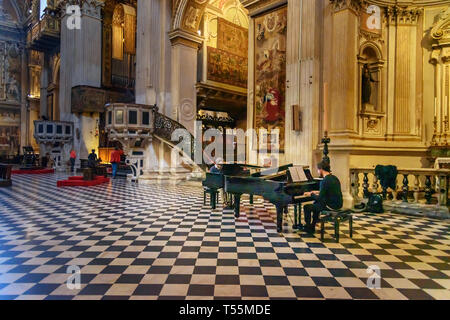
column 329, row 197
column 217, row 167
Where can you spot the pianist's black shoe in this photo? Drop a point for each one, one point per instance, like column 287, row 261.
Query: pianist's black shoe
column 309, row 228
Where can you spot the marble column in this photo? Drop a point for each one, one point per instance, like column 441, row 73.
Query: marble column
column 44, row 84
column 148, row 51
column 25, row 126
column 303, row 78
column 343, row 95
column 81, row 64
column 344, row 73
column 185, row 47
column 153, row 54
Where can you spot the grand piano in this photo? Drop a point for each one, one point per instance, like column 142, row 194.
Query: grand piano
column 216, row 181
column 276, row 188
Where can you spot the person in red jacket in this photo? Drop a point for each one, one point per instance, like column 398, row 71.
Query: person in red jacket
column 73, row 157
column 115, row 160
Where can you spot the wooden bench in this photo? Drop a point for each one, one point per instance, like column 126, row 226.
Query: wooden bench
column 336, row 217
column 5, row 175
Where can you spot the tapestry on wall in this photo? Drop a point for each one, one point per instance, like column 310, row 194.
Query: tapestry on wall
column 270, row 73
column 227, row 68
column 232, row 38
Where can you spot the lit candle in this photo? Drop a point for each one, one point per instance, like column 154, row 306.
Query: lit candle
column 445, row 107
column 435, row 107
column 325, row 107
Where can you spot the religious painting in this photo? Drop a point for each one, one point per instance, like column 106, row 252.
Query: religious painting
column 270, row 73
column 9, row 132
column 227, row 68
column 10, row 72
column 232, row 38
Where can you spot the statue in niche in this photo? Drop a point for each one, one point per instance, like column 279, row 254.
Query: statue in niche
column 367, row 80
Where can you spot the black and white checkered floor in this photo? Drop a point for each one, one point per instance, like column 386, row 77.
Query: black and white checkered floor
column 155, row 242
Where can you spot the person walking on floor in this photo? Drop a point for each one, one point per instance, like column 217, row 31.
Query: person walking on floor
column 73, row 156
column 115, row 161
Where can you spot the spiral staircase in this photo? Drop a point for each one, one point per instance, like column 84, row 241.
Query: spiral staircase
column 147, row 138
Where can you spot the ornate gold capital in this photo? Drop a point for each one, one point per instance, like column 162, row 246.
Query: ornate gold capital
column 354, row 5
column 402, row 15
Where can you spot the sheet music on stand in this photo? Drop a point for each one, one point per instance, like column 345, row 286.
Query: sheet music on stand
column 298, row 174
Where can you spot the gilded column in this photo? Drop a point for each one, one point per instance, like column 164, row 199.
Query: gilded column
column 344, row 68
column 404, row 21
column 440, row 58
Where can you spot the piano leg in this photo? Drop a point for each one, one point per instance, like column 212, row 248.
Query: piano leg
column 280, row 212
column 295, row 226
column 237, row 205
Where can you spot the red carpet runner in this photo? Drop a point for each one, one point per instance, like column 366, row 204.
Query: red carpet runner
column 79, row 182
column 40, row 171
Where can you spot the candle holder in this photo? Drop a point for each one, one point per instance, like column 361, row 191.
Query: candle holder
column 326, row 140
column 434, row 139
column 445, row 130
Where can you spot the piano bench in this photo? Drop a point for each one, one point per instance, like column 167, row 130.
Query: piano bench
column 213, row 196
column 336, row 217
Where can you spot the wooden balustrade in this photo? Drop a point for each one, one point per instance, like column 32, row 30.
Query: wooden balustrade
column 426, row 186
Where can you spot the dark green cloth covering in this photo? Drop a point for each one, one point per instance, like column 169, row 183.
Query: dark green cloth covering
column 387, row 176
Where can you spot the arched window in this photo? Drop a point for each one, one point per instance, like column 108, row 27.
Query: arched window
column 42, row 7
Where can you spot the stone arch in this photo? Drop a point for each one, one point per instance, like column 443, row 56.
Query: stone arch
column 370, row 55
column 370, row 46
column 19, row 10
column 188, row 14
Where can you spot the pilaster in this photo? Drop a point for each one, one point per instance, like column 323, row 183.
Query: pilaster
column 185, row 47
